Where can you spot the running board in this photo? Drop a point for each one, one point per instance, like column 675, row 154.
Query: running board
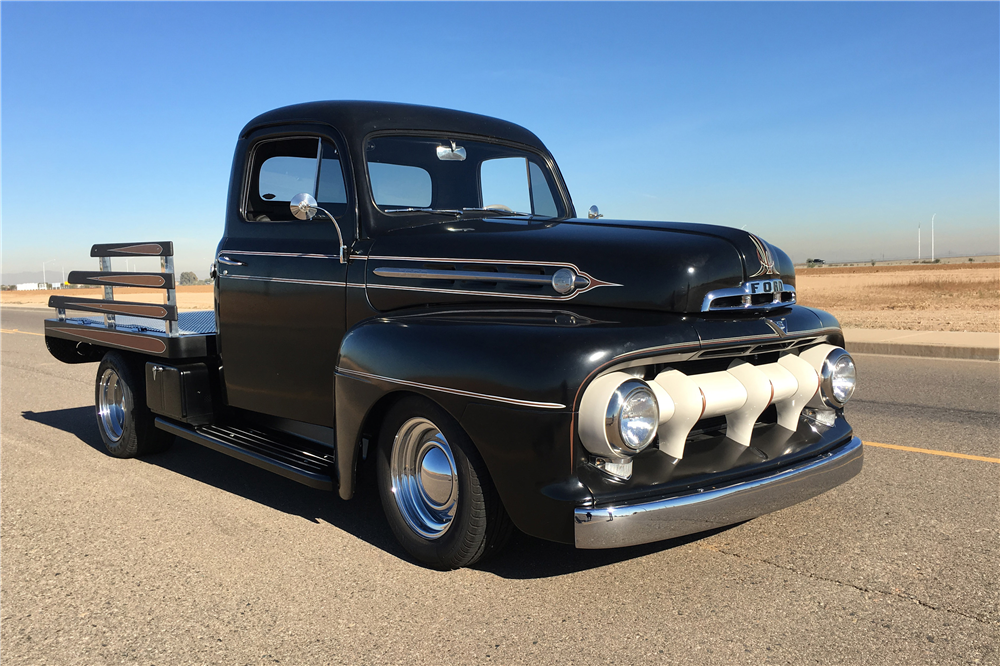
column 282, row 454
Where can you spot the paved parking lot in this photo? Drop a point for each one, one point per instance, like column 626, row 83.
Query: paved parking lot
column 192, row 557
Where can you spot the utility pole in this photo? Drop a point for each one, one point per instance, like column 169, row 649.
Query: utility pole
column 918, row 241
column 932, row 236
column 44, row 281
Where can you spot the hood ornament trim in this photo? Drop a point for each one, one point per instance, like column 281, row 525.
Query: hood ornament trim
column 764, row 256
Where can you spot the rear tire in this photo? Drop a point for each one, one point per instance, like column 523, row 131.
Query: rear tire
column 437, row 495
column 123, row 419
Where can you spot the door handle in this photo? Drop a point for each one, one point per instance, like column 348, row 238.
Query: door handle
column 229, row 262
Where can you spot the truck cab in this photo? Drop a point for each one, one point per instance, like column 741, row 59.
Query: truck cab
column 410, row 288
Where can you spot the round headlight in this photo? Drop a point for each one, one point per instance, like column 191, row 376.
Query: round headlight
column 838, row 378
column 632, row 416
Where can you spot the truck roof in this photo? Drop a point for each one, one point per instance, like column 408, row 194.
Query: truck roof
column 358, row 118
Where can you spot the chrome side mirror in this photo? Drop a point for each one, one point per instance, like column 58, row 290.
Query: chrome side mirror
column 594, row 213
column 304, row 207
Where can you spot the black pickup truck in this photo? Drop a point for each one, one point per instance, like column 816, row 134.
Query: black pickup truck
column 409, row 288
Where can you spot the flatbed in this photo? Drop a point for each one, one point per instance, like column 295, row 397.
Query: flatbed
column 194, row 338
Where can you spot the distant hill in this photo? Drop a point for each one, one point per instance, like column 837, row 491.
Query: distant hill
column 30, row 276
column 36, row 276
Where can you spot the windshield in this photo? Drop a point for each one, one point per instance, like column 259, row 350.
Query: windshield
column 413, row 176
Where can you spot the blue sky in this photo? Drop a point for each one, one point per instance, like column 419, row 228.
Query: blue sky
column 830, row 129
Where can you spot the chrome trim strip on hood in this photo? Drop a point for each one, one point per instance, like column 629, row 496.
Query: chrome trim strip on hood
column 495, row 294
column 476, row 276
column 594, row 282
column 484, row 276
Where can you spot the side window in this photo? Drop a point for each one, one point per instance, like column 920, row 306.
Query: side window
column 399, row 185
column 504, row 182
column 542, row 202
column 282, row 168
column 516, row 183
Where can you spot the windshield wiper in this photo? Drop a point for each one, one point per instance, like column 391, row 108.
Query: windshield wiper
column 426, row 211
column 496, row 212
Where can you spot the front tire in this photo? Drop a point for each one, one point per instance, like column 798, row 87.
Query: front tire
column 437, row 495
column 123, row 419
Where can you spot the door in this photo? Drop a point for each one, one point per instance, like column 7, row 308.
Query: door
column 281, row 286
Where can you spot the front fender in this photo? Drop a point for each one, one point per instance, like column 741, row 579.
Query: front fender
column 517, row 360
column 512, row 378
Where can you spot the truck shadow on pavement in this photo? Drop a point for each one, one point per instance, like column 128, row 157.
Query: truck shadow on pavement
column 524, row 557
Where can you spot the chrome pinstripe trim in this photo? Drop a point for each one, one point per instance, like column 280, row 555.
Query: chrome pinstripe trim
column 764, row 256
column 444, row 313
column 652, row 350
column 296, row 255
column 261, row 278
column 713, row 343
column 469, row 260
column 749, row 339
column 442, row 389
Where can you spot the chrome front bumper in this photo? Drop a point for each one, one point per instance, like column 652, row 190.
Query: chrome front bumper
column 714, row 507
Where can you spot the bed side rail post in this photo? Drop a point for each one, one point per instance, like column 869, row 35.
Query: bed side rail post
column 170, row 295
column 109, row 292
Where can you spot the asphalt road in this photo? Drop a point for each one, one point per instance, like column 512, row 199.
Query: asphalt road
column 190, row 557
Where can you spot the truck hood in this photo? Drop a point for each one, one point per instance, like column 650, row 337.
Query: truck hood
column 661, row 266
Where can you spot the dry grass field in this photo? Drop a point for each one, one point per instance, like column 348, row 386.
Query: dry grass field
column 197, row 297
column 941, row 297
column 938, row 297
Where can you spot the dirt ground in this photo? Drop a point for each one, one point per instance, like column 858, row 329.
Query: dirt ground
column 197, row 297
column 941, row 297
column 944, row 297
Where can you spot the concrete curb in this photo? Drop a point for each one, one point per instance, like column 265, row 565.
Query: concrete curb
column 981, row 346
column 926, row 351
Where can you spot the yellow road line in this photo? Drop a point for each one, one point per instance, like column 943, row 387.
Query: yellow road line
column 933, row 452
column 14, row 330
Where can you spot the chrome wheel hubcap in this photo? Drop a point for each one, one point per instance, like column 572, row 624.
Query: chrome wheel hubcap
column 424, row 478
column 111, row 405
